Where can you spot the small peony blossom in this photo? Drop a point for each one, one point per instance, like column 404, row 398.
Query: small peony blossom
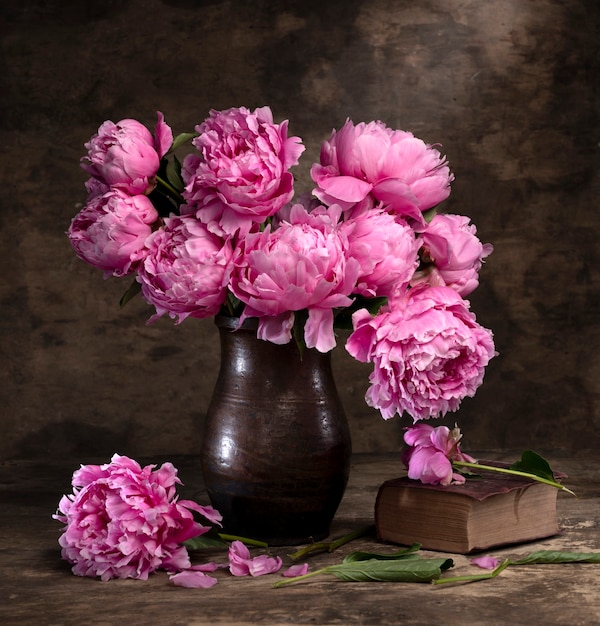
column 486, row 562
column 386, row 250
column 452, row 254
column 427, row 350
column 241, row 174
column 125, row 521
column 241, row 564
column 365, row 164
column 186, row 269
column 302, row 264
column 111, row 230
column 430, row 453
column 126, row 156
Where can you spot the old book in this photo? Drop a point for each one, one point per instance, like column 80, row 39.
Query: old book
column 494, row 510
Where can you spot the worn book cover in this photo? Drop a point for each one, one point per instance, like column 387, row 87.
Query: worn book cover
column 492, row 510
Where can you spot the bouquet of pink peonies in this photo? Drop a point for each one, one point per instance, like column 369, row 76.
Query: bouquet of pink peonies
column 220, row 232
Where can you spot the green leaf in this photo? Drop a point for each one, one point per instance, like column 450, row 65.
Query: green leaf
column 541, row 557
column 173, row 172
column 532, row 463
column 366, row 556
column 408, row 570
column 133, row 291
column 180, row 140
column 533, row 475
column 397, row 570
column 343, row 317
column 300, row 318
column 548, row 557
column 429, row 214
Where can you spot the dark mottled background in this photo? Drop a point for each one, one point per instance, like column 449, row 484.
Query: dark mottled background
column 509, row 88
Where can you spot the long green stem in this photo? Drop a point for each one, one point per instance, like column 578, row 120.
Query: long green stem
column 245, row 540
column 329, row 546
column 506, row 470
column 174, row 193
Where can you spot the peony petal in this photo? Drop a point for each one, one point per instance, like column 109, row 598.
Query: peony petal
column 318, row 330
column 263, row 564
column 486, row 562
column 163, row 135
column 296, row 570
column 205, row 567
column 346, row 188
column 193, row 579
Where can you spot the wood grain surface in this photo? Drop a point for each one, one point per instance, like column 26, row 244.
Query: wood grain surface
column 36, row 587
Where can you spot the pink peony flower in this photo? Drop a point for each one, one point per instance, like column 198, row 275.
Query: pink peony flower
column 453, row 252
column 386, row 250
column 186, row 269
column 122, row 521
column 241, row 564
column 126, row 156
column 427, row 349
column 241, row 174
column 431, row 452
column 110, row 231
column 300, row 265
column 369, row 163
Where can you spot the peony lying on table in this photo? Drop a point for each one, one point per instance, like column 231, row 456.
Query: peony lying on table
column 221, row 233
column 125, row 521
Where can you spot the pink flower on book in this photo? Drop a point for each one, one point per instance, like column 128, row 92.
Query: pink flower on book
column 452, row 254
column 430, row 453
column 241, row 564
column 366, row 164
column 111, row 230
column 300, row 265
column 427, row 350
column 126, row 156
column 240, row 175
column 125, row 521
column 186, row 269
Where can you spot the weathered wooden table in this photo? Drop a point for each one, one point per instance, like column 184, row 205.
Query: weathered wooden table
column 36, row 587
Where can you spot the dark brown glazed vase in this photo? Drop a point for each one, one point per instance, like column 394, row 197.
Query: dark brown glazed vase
column 276, row 448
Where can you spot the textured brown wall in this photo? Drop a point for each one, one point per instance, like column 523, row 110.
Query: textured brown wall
column 508, row 87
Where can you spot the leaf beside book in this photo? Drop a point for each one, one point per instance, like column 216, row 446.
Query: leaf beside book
column 540, row 557
column 552, row 557
column 404, row 570
column 532, row 463
column 402, row 566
